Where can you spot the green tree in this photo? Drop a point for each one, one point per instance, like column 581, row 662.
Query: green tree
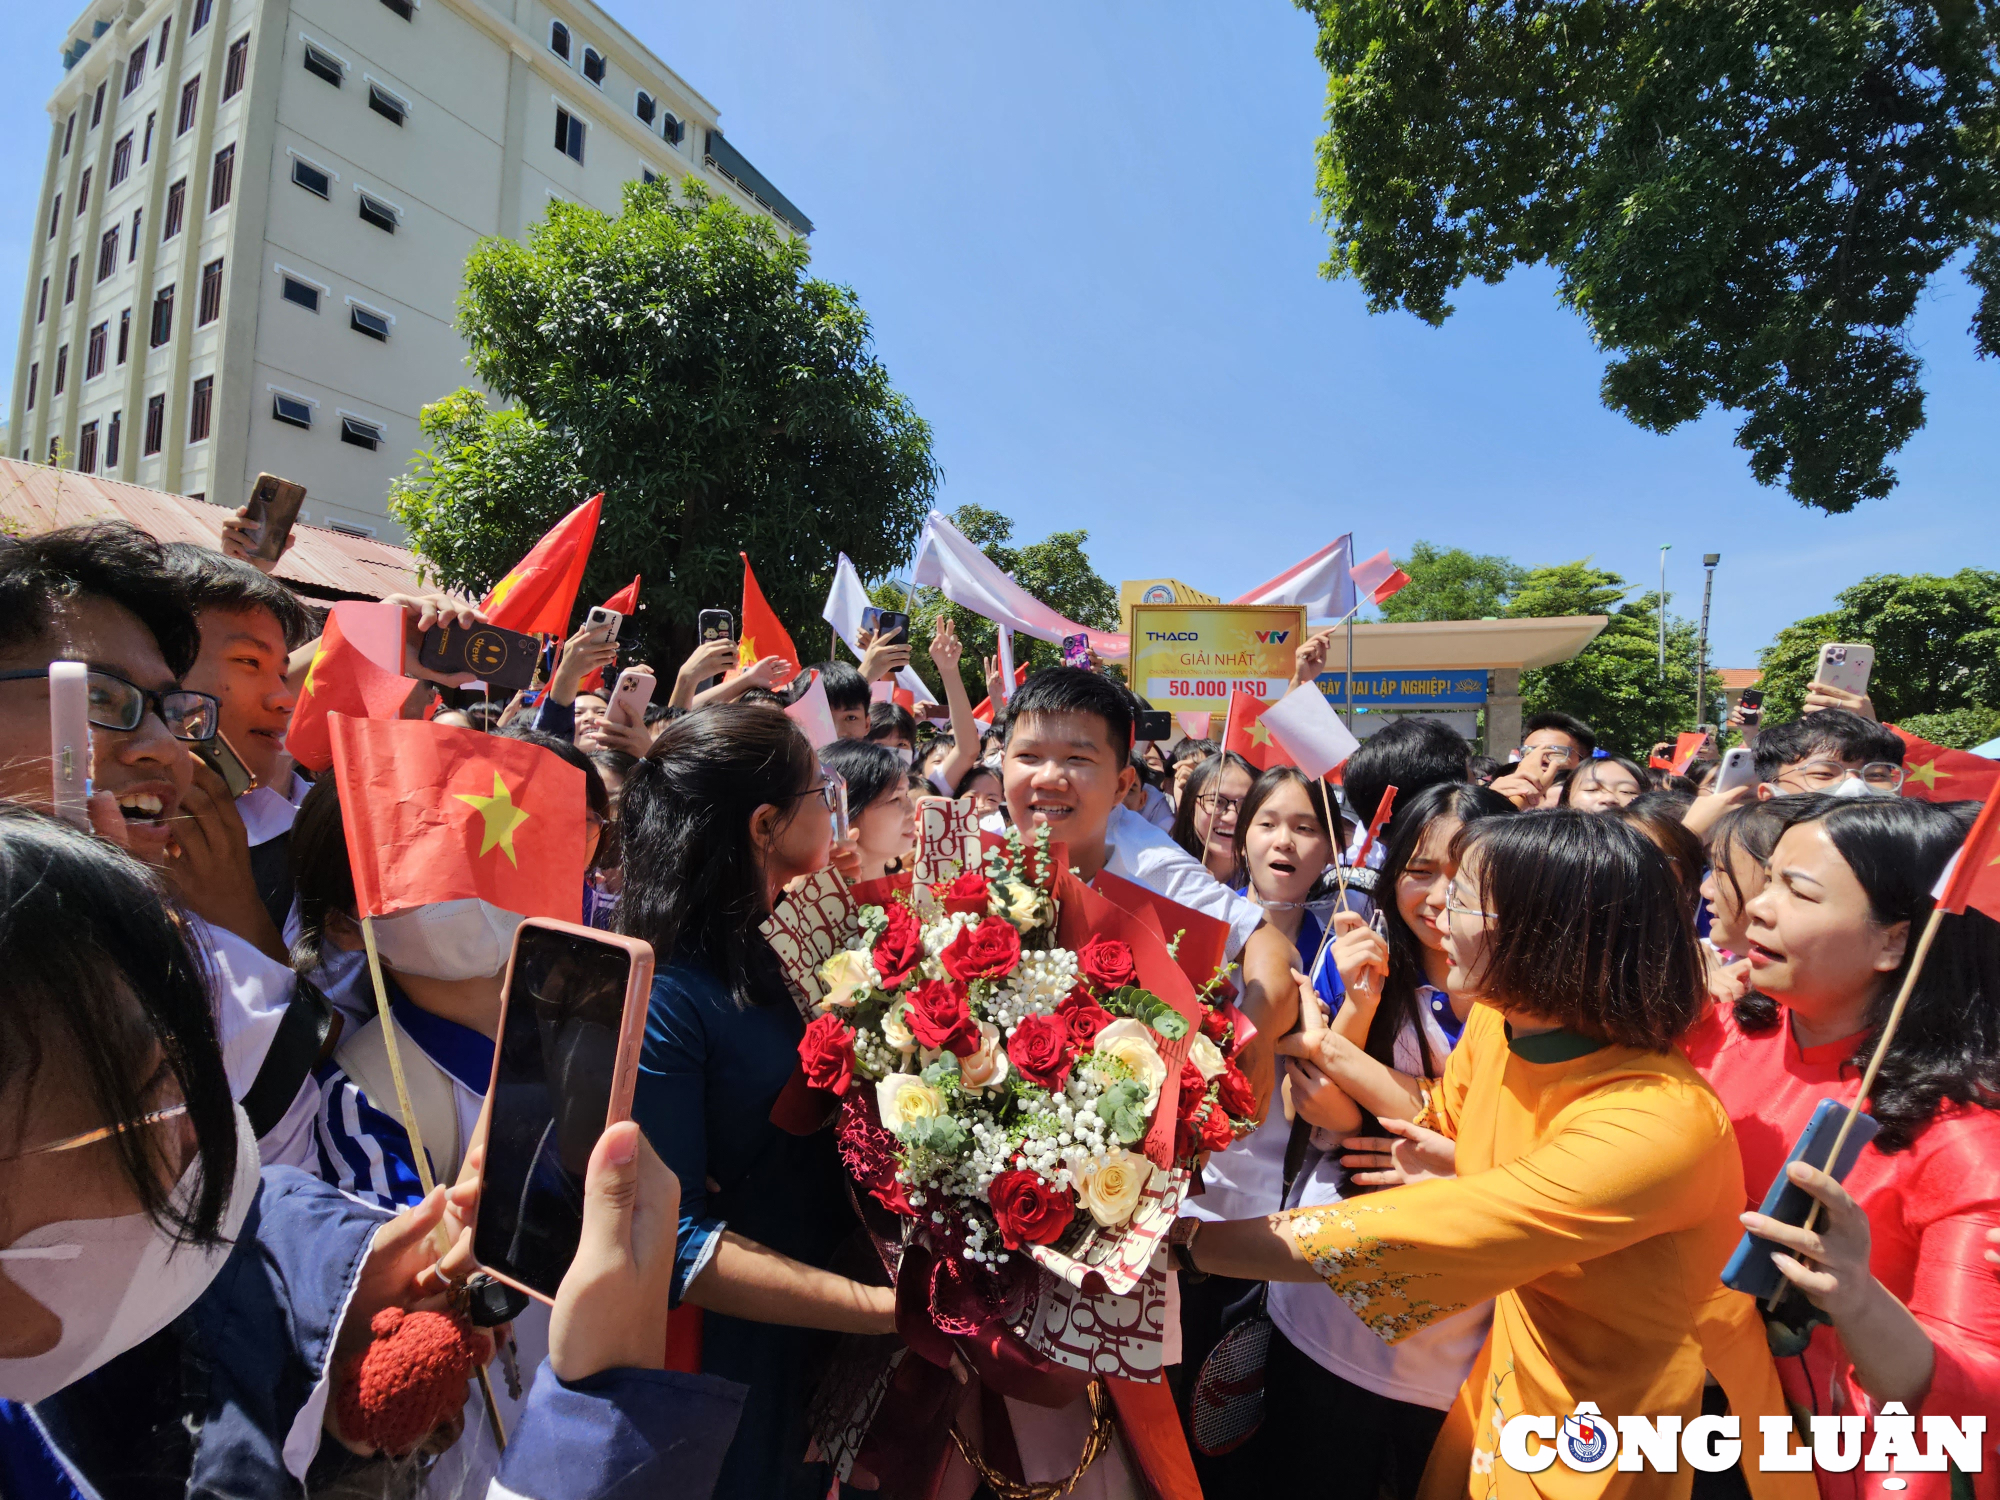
column 1743, row 198
column 678, row 357
column 1453, row 584
column 1614, row 683
column 1955, row 729
column 1936, row 640
column 1055, row 570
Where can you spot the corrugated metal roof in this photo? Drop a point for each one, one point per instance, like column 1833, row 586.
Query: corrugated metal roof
column 328, row 564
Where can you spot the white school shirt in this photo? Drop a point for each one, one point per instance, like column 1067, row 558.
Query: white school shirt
column 1141, row 853
column 1428, row 1367
column 249, row 994
column 268, row 813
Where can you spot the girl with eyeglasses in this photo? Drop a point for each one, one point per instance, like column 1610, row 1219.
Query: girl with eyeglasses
column 728, row 807
column 881, row 808
column 1207, row 812
column 1595, row 1180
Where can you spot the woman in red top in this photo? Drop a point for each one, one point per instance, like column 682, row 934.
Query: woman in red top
column 1894, row 1264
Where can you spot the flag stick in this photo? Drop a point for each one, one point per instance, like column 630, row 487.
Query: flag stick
column 1350, row 670
column 1339, row 876
column 411, row 1129
column 1874, row 1067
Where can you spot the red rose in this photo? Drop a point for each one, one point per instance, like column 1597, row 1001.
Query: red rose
column 1193, row 1091
column 1085, row 1018
column 1187, row 1139
column 901, row 948
column 967, row 893
column 987, row 951
column 1029, row 1209
column 1234, row 1094
column 938, row 1016
column 1216, row 1131
column 1039, row 1048
column 1106, row 963
column 826, row 1052
column 1214, row 1024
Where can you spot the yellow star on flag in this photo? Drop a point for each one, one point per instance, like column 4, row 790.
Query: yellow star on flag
column 746, row 652
column 1259, row 735
column 502, row 589
column 318, row 657
column 502, row 818
column 1927, row 774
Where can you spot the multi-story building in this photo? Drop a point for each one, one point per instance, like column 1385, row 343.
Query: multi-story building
column 255, row 217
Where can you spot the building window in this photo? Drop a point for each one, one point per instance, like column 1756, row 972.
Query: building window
column 202, row 7
column 593, row 66
column 93, row 351
column 323, row 64
column 146, row 150
column 644, row 107
column 210, row 307
column 349, row 528
column 111, row 443
column 235, row 66
column 190, row 97
column 311, row 178
column 86, row 448
column 156, row 425
column 366, row 320
column 34, row 376
column 55, row 216
column 203, row 11
column 648, row 176
column 121, row 159
column 163, row 317
column 55, row 447
column 362, row 434
column 558, row 42
column 69, row 283
column 378, row 213
column 204, row 394
column 387, row 105
column 69, row 126
column 124, row 334
column 176, row 210
column 402, row 8
column 302, row 293
column 62, row 371
column 107, row 252
column 83, row 192
column 292, row 411
column 222, row 177
column 138, row 218
column 671, row 127
column 135, row 70
column 569, row 134
column 97, row 108
column 42, row 306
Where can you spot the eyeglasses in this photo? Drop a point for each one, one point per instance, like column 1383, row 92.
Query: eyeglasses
column 121, row 705
column 826, row 791
column 101, row 1133
column 1455, row 905
column 1551, row 752
column 1817, row 775
column 1215, row 804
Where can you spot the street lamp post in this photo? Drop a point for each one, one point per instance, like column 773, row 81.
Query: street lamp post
column 1708, row 561
column 1664, row 550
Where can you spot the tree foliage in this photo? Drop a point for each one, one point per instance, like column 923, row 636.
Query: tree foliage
column 1452, row 584
column 1936, row 640
column 678, row 357
column 1743, row 198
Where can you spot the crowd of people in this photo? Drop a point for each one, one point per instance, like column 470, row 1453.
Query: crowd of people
column 1528, row 1057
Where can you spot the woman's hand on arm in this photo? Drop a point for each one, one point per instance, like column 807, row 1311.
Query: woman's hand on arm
column 1409, row 1153
column 1318, row 1099
column 1379, row 1089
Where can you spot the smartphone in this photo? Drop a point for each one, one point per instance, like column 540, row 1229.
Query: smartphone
column 220, row 757
column 715, row 625
column 69, row 740
column 502, row 658
column 273, row 506
column 1845, row 666
column 606, row 620
column 1076, row 651
column 871, row 618
column 1153, row 724
column 1739, row 768
column 1752, row 703
column 627, row 704
column 839, row 784
column 566, row 1055
column 1750, row 1269
column 893, row 626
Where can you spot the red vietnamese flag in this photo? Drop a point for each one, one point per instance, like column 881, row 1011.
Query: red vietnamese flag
column 539, row 591
column 1973, row 876
column 1382, row 811
column 355, row 671
column 440, row 814
column 626, row 603
column 1244, row 733
column 1378, row 577
column 984, row 710
column 1686, row 747
column 1932, row 773
column 763, row 634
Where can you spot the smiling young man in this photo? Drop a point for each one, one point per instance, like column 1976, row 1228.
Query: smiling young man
column 1830, row 750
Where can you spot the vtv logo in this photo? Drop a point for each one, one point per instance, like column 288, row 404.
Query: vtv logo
column 1273, row 637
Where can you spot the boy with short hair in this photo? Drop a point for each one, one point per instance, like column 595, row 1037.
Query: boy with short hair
column 1829, row 751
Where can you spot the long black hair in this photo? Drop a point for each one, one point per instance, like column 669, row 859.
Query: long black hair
column 868, row 767
column 693, row 888
column 1197, row 784
column 1947, row 1047
column 99, row 966
column 1398, row 1006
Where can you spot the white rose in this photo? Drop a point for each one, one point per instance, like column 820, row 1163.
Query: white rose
column 986, row 1068
column 895, row 1032
column 1111, row 1191
column 1019, row 903
column 1131, row 1043
column 1206, row 1057
column 903, row 1098
column 843, row 976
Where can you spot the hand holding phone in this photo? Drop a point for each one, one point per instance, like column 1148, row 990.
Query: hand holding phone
column 220, row 757
column 1846, row 666
column 503, row 658
column 272, row 510
column 605, row 621
column 627, row 704
column 715, row 625
column 1076, row 651
column 1750, row 702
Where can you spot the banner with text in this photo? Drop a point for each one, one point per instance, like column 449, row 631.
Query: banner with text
column 1190, row 659
column 1407, row 689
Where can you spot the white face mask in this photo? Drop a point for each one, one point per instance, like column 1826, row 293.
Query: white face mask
column 1854, row 786
column 904, row 755
column 468, row 939
column 116, row 1282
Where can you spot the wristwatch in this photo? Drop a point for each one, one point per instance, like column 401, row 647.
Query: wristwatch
column 1180, row 1248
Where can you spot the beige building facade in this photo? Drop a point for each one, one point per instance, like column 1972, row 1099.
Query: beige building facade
column 255, row 216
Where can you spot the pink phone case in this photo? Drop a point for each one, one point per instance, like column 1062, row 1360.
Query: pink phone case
column 629, row 698
column 631, row 1034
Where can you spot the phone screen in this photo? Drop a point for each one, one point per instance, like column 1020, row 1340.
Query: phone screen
column 558, row 1057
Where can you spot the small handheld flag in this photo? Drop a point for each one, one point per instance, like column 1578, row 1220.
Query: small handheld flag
column 1379, row 577
column 357, row 670
column 538, row 592
column 763, row 633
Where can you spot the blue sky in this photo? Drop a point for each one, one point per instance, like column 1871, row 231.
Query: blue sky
column 1086, row 237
